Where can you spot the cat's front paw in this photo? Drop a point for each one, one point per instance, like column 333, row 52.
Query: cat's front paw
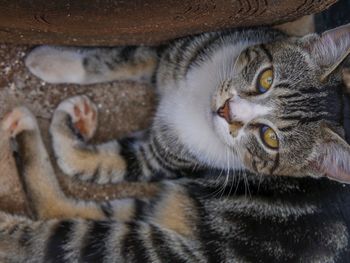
column 83, row 114
column 18, row 120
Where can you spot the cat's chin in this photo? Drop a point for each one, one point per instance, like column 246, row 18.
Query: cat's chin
column 222, row 130
column 192, row 125
column 228, row 157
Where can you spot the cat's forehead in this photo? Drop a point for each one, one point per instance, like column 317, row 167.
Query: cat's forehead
column 301, row 101
column 285, row 51
column 288, row 60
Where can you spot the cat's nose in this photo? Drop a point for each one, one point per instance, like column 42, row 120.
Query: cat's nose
column 224, row 111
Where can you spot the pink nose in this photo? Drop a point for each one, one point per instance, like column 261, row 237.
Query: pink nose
column 224, row 111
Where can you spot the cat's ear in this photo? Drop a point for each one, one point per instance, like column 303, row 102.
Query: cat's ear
column 329, row 49
column 332, row 157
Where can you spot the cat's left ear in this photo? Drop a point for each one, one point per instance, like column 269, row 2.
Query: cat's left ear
column 332, row 157
column 329, row 49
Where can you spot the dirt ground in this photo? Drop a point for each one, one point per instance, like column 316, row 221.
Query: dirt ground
column 123, row 107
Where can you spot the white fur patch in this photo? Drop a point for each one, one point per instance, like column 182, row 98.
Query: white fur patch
column 245, row 111
column 56, row 65
column 187, row 110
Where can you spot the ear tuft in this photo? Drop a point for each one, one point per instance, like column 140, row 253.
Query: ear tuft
column 332, row 157
column 330, row 49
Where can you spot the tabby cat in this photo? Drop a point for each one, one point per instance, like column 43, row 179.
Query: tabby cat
column 248, row 132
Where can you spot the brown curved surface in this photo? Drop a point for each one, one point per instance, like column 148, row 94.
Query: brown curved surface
column 138, row 21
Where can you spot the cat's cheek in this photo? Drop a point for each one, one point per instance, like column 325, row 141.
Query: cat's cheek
column 223, row 132
column 247, row 158
column 247, row 163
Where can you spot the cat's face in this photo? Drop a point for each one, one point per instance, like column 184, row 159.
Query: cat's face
column 278, row 112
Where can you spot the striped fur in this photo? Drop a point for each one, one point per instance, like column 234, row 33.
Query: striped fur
column 213, row 196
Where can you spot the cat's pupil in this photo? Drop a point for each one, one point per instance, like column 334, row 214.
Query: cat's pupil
column 272, row 136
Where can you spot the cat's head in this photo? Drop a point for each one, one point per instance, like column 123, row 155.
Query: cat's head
column 279, row 107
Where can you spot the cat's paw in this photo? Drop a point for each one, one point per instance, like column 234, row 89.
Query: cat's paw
column 18, row 120
column 83, row 114
column 56, row 64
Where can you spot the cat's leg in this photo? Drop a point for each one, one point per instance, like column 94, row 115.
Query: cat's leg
column 137, row 158
column 92, row 65
column 14, row 235
column 42, row 187
column 166, row 230
column 73, row 124
column 74, row 240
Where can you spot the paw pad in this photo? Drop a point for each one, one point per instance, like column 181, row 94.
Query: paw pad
column 18, row 120
column 83, row 114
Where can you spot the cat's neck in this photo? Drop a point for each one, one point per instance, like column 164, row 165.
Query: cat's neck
column 171, row 153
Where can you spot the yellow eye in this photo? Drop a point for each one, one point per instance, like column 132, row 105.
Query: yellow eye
column 269, row 137
column 265, row 80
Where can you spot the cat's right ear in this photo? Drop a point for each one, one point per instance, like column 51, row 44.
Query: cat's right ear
column 332, row 157
column 329, row 49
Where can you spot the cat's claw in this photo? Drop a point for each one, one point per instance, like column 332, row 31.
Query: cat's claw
column 83, row 113
column 18, row 120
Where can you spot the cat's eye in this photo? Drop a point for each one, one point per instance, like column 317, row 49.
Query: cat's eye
column 265, row 81
column 269, row 137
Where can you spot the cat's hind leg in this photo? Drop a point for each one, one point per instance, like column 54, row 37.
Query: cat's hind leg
column 92, row 65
